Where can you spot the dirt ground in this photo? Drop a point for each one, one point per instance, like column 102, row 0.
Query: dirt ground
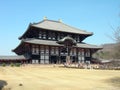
column 49, row 77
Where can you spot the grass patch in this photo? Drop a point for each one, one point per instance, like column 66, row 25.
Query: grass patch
column 17, row 64
column 12, row 64
column 3, row 64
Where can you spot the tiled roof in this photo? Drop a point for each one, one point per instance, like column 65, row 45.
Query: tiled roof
column 12, row 57
column 84, row 45
column 54, row 43
column 41, row 42
column 59, row 26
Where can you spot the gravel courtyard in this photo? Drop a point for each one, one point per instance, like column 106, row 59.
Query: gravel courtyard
column 48, row 77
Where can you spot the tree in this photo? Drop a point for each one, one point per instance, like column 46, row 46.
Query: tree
column 115, row 52
column 116, row 36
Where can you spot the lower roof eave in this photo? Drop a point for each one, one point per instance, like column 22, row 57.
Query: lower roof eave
column 51, row 43
column 12, row 58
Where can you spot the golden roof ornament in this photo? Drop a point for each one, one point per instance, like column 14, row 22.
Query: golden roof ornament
column 44, row 18
column 60, row 20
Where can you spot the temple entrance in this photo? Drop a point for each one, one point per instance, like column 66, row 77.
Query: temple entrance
column 73, row 59
column 68, row 43
column 63, row 59
column 53, row 59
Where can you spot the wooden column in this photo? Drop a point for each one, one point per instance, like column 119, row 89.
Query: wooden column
column 39, row 54
column 59, row 55
column 49, row 54
column 84, row 55
column 90, row 55
column 76, row 55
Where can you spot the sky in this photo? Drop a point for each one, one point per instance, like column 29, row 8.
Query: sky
column 97, row 16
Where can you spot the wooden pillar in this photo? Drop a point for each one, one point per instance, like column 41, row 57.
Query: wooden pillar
column 30, row 54
column 82, row 52
column 84, row 55
column 39, row 54
column 59, row 61
column 49, row 54
column 44, row 53
column 90, row 55
column 77, row 49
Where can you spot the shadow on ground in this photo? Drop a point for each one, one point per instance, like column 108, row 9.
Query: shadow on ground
column 2, row 84
column 114, row 81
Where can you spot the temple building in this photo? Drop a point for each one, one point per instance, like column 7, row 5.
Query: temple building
column 12, row 59
column 41, row 43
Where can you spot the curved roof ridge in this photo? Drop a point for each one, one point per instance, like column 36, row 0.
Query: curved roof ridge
column 45, row 20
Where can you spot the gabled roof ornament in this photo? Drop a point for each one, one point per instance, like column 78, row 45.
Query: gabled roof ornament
column 44, row 18
column 67, row 40
column 60, row 20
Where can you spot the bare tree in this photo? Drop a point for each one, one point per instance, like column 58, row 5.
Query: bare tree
column 116, row 35
column 115, row 53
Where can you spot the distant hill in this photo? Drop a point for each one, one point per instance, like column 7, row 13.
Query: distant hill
column 109, row 47
column 109, row 51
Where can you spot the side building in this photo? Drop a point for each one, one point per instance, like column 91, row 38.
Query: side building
column 39, row 43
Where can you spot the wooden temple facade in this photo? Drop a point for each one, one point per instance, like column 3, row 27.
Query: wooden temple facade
column 39, row 43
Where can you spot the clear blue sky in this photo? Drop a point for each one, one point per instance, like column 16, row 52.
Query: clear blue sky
column 95, row 16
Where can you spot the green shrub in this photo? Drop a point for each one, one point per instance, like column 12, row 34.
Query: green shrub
column 3, row 64
column 12, row 65
column 17, row 64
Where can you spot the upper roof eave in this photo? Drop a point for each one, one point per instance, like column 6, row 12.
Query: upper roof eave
column 30, row 24
column 59, row 26
column 64, row 31
column 56, row 26
column 13, row 50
